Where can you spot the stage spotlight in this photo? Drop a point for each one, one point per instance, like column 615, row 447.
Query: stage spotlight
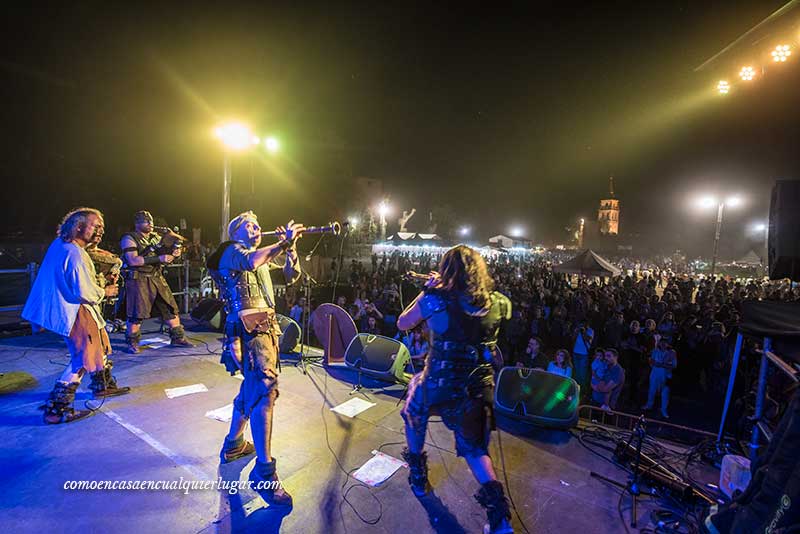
column 706, row 202
column 723, row 87
column 747, row 73
column 781, row 53
column 733, row 201
column 464, row 231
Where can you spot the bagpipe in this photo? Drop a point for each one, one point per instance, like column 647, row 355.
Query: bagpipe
column 106, row 264
column 170, row 242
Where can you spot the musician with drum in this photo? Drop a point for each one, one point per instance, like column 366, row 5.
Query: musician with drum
column 144, row 254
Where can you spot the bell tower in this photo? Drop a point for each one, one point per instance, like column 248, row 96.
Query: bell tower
column 608, row 214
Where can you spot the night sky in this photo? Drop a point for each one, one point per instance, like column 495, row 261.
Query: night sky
column 510, row 112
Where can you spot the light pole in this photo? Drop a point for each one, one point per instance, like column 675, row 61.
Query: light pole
column 708, row 202
column 383, row 211
column 235, row 137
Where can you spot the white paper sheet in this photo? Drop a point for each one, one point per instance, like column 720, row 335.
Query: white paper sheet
column 353, row 407
column 155, row 342
column 378, row 469
column 223, row 414
column 185, row 390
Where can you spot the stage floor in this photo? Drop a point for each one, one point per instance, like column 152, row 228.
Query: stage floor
column 147, row 436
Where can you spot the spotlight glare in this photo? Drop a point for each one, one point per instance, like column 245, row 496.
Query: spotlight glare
column 272, row 144
column 734, row 201
column 706, row 202
column 747, row 73
column 781, row 53
column 234, row 135
column 723, row 87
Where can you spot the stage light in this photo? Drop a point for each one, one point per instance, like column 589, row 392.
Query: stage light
column 234, row 135
column 747, row 73
column 464, row 231
column 272, row 144
column 758, row 227
column 515, row 231
column 353, row 222
column 383, row 208
column 723, row 87
column 781, row 53
column 255, row 140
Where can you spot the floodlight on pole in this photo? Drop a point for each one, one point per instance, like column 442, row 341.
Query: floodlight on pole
column 781, row 53
column 272, row 144
column 515, row 231
column 708, row 202
column 723, row 87
column 747, row 73
column 235, row 136
column 383, row 211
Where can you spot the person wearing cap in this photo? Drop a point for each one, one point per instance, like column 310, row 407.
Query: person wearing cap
column 241, row 271
column 145, row 285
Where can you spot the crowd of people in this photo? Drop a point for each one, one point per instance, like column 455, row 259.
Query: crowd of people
column 628, row 341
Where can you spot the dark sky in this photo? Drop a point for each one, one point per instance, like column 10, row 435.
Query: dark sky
column 514, row 113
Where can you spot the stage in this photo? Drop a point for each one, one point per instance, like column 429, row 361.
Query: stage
column 147, row 436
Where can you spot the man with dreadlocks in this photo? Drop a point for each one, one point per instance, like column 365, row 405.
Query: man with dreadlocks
column 463, row 314
column 66, row 299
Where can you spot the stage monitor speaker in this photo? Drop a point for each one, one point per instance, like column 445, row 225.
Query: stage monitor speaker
column 380, row 357
column 291, row 335
column 783, row 249
column 538, row 397
column 210, row 311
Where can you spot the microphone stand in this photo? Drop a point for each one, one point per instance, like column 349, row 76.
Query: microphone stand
column 632, row 486
column 305, row 339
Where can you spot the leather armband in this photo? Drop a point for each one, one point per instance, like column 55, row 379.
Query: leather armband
column 152, row 260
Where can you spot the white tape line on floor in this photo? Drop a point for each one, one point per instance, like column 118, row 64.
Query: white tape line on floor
column 157, row 445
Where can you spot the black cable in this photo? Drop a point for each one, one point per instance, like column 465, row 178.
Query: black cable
column 348, row 474
column 505, row 477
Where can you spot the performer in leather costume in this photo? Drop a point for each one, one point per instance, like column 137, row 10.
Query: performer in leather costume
column 463, row 314
column 145, row 285
column 241, row 272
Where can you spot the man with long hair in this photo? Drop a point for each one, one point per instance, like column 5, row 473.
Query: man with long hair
column 463, row 313
column 66, row 299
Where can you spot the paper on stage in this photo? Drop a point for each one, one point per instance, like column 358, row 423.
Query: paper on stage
column 185, row 390
column 378, row 469
column 155, row 342
column 223, row 414
column 353, row 407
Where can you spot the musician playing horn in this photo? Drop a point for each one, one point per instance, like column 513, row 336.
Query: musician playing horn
column 241, row 272
column 145, row 285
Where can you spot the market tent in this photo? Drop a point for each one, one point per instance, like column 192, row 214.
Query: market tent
column 588, row 263
column 751, row 258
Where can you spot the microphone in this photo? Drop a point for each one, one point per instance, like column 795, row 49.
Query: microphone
column 412, row 276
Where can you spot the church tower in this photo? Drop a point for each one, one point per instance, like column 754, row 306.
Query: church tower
column 608, row 214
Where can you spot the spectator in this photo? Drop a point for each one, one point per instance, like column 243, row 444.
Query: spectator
column 533, row 358
column 583, row 337
column 561, row 364
column 372, row 326
column 662, row 361
column 613, row 384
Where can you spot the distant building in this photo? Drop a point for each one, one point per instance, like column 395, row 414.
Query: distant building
column 510, row 242
column 608, row 214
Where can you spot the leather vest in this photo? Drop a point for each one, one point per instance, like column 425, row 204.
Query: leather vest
column 464, row 330
column 146, row 245
column 241, row 290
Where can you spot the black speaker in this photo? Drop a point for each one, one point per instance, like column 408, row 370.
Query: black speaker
column 210, row 311
column 783, row 249
column 289, row 342
column 538, row 397
column 380, row 357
